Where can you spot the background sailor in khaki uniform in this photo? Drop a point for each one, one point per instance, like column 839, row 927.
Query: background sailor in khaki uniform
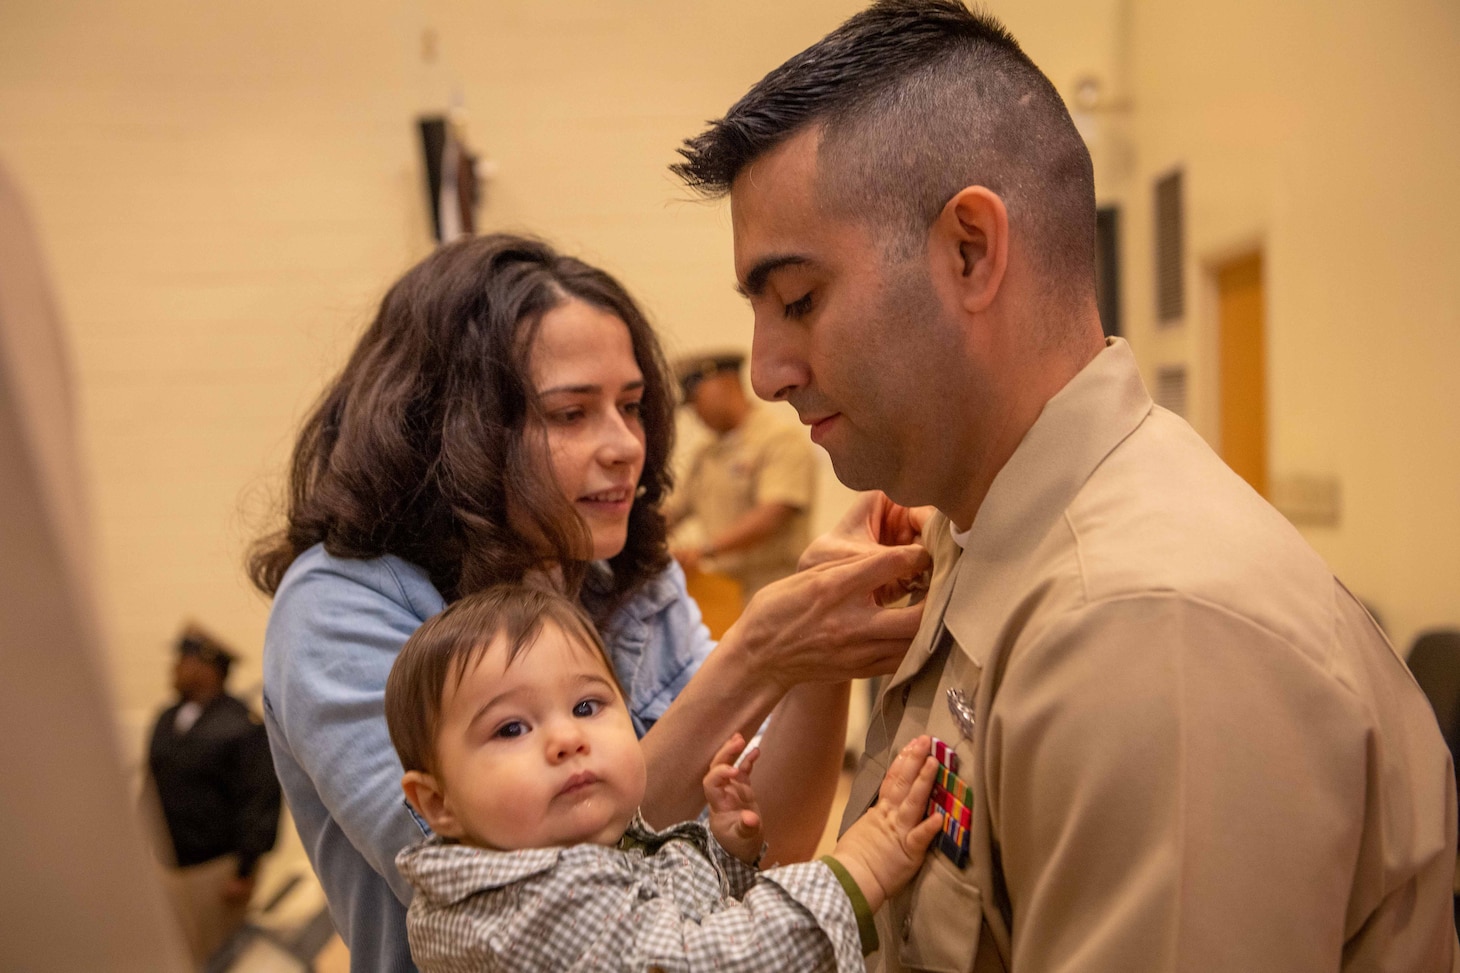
column 750, row 489
column 1187, row 746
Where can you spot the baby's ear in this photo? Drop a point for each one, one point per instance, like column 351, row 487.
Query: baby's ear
column 430, row 803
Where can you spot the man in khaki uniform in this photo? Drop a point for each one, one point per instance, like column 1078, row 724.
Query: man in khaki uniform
column 751, row 488
column 1186, row 745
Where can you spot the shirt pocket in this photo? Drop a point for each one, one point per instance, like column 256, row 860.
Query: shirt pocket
column 941, row 923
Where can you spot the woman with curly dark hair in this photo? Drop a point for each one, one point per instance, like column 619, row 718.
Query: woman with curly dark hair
column 508, row 412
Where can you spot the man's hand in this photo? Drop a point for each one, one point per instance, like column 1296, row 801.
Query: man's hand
column 734, row 814
column 885, row 848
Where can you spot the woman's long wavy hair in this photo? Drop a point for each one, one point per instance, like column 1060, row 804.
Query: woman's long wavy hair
column 431, row 434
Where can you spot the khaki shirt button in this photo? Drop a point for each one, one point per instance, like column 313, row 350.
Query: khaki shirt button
column 906, row 928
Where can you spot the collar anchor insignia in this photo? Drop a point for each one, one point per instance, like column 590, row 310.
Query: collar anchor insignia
column 962, row 709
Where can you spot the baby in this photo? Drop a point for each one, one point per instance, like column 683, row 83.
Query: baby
column 519, row 752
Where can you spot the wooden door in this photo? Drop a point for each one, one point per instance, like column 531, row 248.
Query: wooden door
column 1242, row 363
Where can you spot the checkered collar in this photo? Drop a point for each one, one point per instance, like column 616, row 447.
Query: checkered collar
column 447, row 871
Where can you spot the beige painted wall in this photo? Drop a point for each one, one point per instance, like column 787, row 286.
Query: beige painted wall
column 222, row 190
column 225, row 190
column 1328, row 134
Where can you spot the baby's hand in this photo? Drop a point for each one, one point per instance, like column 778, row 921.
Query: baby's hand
column 884, row 849
column 734, row 816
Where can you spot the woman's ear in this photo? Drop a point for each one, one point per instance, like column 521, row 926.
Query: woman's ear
column 970, row 245
column 429, row 800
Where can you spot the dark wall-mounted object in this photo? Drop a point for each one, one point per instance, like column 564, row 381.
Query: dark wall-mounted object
column 451, row 179
column 1170, row 249
column 1107, row 268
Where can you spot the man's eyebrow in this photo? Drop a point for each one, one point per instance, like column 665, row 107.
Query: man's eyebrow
column 755, row 281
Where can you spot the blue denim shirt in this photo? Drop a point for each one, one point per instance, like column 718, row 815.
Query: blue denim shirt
column 336, row 627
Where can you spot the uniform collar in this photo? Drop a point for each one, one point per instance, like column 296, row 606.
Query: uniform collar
column 1074, row 433
column 1077, row 429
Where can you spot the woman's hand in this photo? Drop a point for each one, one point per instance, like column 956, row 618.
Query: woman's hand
column 872, row 521
column 805, row 635
column 827, row 622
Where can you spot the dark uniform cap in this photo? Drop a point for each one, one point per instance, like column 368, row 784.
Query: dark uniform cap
column 692, row 369
column 194, row 641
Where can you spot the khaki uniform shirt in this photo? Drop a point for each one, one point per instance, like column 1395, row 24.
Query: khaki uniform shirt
column 1190, row 747
column 761, row 461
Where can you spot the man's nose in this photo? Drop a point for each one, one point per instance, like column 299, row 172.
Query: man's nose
column 777, row 361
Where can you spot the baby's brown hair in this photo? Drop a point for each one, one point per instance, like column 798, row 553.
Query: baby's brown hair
column 442, row 650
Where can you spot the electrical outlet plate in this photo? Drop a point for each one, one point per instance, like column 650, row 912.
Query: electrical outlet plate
column 1307, row 499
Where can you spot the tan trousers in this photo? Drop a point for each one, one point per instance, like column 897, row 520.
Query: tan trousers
column 197, row 897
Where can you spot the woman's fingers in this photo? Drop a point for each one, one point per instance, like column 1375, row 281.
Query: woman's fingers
column 888, row 522
column 871, row 520
column 903, row 525
column 880, row 566
column 823, row 623
column 893, row 623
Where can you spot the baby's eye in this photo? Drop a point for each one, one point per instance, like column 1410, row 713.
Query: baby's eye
column 799, row 308
column 588, row 707
column 511, row 730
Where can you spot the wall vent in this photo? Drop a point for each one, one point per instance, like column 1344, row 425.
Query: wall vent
column 1170, row 250
column 1171, row 388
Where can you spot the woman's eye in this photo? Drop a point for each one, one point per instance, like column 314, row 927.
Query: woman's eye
column 632, row 408
column 588, row 707
column 511, row 730
column 565, row 417
column 799, row 308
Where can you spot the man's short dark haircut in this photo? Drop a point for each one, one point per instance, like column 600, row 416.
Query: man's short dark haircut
column 444, row 649
column 919, row 99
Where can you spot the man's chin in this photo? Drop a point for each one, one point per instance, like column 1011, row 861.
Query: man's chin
column 866, row 476
column 856, row 473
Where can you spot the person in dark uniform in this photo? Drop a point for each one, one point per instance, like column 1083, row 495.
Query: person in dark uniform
column 214, row 779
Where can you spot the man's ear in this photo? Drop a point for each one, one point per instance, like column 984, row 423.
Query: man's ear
column 969, row 242
column 429, row 800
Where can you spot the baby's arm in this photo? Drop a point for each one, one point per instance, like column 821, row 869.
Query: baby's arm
column 734, row 816
column 884, row 849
